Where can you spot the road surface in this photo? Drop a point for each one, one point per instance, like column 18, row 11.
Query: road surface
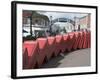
column 75, row 58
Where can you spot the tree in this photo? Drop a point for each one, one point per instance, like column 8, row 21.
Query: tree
column 64, row 30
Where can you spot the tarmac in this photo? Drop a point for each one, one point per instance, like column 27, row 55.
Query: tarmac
column 77, row 58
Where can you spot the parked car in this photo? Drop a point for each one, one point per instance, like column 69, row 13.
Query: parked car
column 25, row 33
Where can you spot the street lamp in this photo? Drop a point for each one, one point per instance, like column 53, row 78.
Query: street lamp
column 31, row 24
column 75, row 24
column 50, row 24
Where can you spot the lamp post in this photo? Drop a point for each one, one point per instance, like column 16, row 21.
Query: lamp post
column 75, row 23
column 50, row 24
column 31, row 24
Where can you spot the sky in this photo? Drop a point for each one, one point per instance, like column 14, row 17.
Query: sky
column 62, row 14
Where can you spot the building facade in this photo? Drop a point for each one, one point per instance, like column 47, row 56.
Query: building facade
column 83, row 23
column 63, row 25
column 38, row 22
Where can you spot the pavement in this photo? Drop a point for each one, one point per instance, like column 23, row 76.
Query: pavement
column 75, row 58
